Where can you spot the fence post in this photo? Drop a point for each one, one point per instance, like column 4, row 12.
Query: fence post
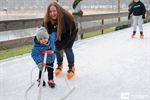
column 102, row 25
column 119, row 7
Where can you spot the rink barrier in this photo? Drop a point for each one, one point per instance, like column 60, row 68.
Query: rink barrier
column 17, row 24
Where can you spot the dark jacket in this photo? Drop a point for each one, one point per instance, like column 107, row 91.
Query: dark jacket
column 138, row 9
column 130, row 5
column 69, row 33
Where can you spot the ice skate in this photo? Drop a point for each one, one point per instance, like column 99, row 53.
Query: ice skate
column 51, row 83
column 141, row 35
column 70, row 73
column 44, row 83
column 133, row 35
column 58, row 69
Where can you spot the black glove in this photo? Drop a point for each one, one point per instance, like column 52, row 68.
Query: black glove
column 143, row 16
column 128, row 17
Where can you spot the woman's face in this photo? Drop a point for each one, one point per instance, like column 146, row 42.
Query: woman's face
column 53, row 12
column 136, row 0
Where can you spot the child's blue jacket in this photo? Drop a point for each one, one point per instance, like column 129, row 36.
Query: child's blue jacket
column 37, row 48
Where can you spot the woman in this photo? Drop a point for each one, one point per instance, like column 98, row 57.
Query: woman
column 62, row 22
column 138, row 10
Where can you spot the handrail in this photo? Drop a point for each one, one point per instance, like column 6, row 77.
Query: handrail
column 6, row 25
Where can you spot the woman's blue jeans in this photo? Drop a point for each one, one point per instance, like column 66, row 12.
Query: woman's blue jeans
column 69, row 54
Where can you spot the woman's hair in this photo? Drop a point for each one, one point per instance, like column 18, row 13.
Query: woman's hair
column 61, row 12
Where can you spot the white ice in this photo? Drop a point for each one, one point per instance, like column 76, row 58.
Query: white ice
column 108, row 67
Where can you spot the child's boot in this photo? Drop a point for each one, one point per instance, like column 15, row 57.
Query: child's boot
column 70, row 72
column 51, row 83
column 59, row 69
column 133, row 35
column 44, row 84
column 141, row 35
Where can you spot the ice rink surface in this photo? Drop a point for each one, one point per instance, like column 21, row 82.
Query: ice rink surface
column 108, row 67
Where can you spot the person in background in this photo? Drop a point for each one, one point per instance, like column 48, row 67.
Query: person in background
column 58, row 20
column 77, row 8
column 138, row 10
column 130, row 5
column 42, row 42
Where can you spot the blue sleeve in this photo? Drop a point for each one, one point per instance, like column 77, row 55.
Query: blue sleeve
column 37, row 56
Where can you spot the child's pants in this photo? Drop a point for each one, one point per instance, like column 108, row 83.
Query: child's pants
column 49, row 70
column 137, row 21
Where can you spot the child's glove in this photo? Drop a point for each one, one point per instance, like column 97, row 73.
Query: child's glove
column 40, row 66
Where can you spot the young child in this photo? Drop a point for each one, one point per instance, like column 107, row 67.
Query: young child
column 138, row 10
column 42, row 42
